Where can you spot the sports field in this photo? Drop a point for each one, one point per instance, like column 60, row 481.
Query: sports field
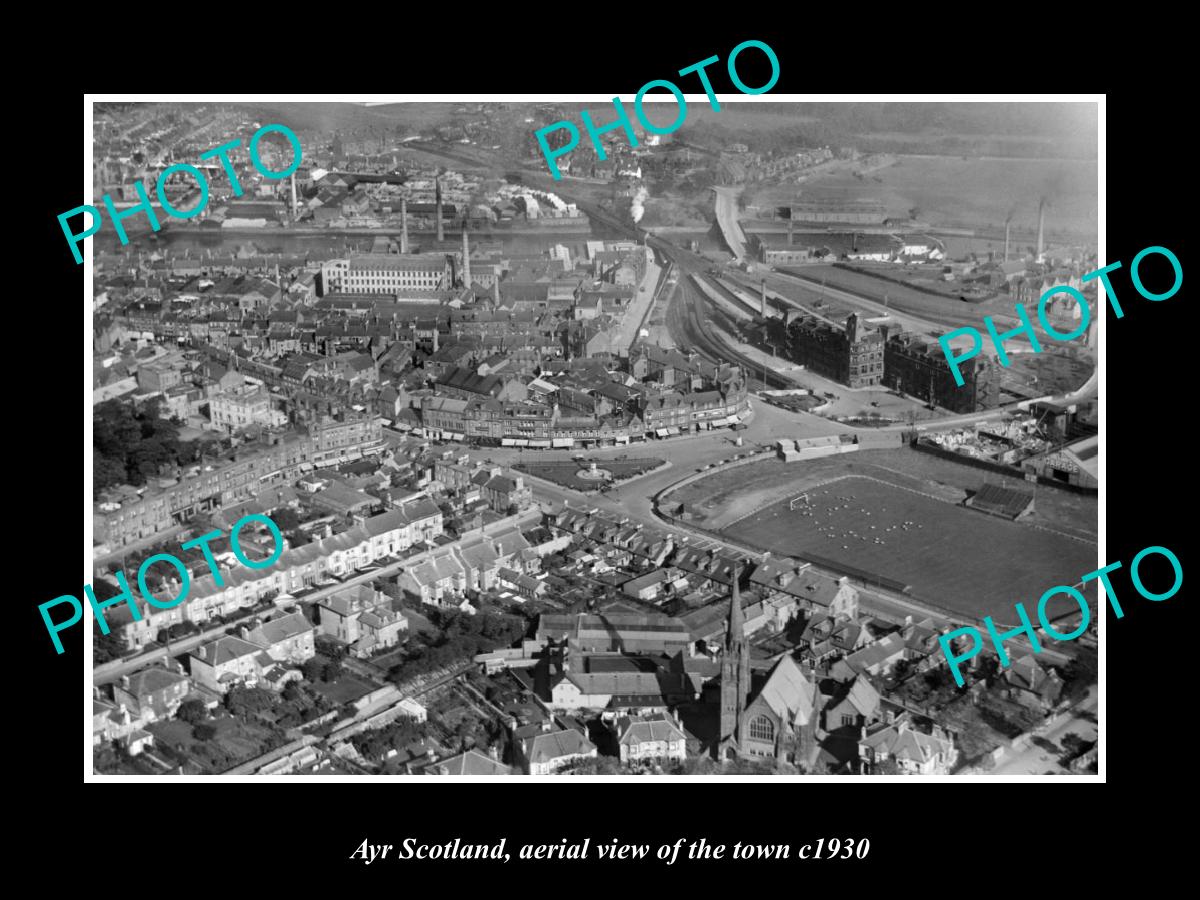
column 953, row 557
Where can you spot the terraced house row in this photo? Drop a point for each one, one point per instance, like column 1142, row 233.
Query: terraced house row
column 385, row 535
column 124, row 515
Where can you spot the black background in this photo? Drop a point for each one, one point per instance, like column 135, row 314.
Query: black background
column 923, row 836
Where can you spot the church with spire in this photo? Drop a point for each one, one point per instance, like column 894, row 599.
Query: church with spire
column 764, row 714
column 735, row 676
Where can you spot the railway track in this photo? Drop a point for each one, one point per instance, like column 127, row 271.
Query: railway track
column 683, row 317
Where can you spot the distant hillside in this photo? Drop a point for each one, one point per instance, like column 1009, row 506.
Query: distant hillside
column 349, row 117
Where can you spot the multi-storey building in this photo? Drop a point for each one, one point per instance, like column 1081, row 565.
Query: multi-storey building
column 362, row 617
column 232, row 410
column 852, row 355
column 919, row 368
column 387, row 273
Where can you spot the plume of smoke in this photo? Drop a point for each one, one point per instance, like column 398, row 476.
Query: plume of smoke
column 636, row 207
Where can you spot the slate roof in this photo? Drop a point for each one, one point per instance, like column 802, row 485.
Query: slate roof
column 283, row 627
column 876, row 653
column 903, row 742
column 470, row 763
column 549, row 746
column 226, row 649
column 788, row 692
column 633, row 730
column 152, row 680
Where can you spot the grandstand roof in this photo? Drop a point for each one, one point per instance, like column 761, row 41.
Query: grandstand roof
column 1001, row 501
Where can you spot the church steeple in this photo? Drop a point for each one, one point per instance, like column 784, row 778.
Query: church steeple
column 736, row 630
column 735, row 673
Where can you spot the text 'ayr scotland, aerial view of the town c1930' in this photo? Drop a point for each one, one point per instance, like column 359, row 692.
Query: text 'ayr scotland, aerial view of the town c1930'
column 653, row 468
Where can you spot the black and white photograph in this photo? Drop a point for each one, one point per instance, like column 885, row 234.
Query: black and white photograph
column 597, row 439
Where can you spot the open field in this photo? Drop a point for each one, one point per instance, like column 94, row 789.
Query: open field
column 973, row 193
column 722, row 497
column 973, row 564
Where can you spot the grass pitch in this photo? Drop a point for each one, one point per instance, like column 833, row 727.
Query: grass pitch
column 957, row 558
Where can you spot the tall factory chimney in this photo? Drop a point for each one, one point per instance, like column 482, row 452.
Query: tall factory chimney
column 1007, row 225
column 466, row 266
column 295, row 212
column 404, row 225
column 762, row 299
column 1041, row 228
column 437, row 186
column 790, row 239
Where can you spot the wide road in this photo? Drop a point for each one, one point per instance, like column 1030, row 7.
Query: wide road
column 1033, row 760
column 634, row 499
column 727, row 218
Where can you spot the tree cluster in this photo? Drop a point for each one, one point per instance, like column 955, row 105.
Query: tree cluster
column 461, row 637
column 242, row 700
column 1080, row 673
column 375, row 742
column 129, row 446
column 192, row 711
column 107, row 647
column 322, row 668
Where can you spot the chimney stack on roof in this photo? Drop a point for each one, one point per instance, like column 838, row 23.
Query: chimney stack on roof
column 438, row 190
column 404, row 225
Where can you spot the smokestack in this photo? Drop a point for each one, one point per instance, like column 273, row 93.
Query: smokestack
column 437, row 184
column 1006, row 227
column 790, row 236
column 763, row 298
column 293, row 195
column 404, row 226
column 466, row 259
column 1041, row 228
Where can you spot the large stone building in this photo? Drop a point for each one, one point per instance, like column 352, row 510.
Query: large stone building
column 920, row 369
column 858, row 212
column 387, row 273
column 236, row 409
column 853, row 355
